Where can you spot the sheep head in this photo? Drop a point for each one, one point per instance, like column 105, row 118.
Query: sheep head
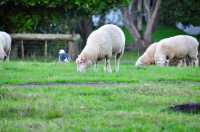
column 139, row 63
column 82, row 63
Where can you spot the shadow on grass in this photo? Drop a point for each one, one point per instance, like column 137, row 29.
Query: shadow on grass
column 193, row 108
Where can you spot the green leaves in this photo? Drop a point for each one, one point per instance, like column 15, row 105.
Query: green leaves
column 29, row 15
column 88, row 6
column 186, row 11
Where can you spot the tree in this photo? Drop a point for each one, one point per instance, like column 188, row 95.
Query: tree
column 133, row 16
column 85, row 9
column 185, row 11
column 27, row 15
column 52, row 16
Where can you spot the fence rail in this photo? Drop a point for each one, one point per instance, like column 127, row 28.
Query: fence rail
column 30, row 36
column 68, row 38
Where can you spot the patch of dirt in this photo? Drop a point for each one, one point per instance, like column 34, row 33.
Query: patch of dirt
column 89, row 84
column 187, row 108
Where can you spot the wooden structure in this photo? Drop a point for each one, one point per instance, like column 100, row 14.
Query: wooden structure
column 68, row 38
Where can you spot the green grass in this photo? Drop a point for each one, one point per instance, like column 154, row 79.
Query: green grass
column 139, row 103
column 20, row 72
column 139, row 107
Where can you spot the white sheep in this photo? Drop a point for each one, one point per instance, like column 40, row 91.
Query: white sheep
column 2, row 53
column 103, row 43
column 148, row 56
column 179, row 47
column 5, row 45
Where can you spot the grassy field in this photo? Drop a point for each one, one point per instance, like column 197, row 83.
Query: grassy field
column 32, row 99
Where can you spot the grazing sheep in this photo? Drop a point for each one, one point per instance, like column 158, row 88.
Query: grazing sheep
column 179, row 47
column 103, row 43
column 5, row 45
column 148, row 57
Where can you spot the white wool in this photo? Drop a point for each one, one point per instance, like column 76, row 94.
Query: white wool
column 2, row 53
column 179, row 46
column 105, row 42
column 148, row 56
column 5, row 42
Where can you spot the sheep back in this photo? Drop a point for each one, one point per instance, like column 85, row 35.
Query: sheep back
column 104, row 42
column 178, row 46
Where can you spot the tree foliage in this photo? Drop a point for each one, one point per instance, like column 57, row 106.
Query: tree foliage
column 30, row 15
column 186, row 11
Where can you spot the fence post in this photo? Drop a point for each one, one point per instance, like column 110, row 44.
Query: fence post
column 73, row 49
column 45, row 48
column 22, row 49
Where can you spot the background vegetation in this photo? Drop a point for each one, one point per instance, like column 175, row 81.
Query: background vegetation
column 75, row 16
column 48, row 16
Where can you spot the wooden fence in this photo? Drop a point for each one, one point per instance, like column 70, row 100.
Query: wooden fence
column 68, row 38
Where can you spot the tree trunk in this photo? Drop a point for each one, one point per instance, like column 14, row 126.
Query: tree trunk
column 141, row 41
column 85, row 28
column 151, row 23
column 139, row 17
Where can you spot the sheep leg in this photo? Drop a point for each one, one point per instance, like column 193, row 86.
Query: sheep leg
column 194, row 58
column 195, row 62
column 192, row 63
column 167, row 62
column 4, row 59
column 107, row 67
column 184, row 62
column 117, row 62
column 189, row 61
column 7, row 58
column 181, row 63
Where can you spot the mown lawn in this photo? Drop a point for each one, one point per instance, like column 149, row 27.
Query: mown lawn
column 20, row 72
column 138, row 101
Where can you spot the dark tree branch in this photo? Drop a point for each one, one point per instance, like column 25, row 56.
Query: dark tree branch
column 147, row 8
column 132, row 20
column 131, row 26
column 151, row 21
